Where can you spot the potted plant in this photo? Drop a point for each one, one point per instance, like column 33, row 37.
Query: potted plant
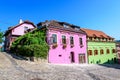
column 54, row 45
column 72, row 45
column 64, row 46
column 81, row 46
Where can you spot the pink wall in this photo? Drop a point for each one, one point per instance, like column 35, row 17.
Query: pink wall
column 65, row 53
column 20, row 29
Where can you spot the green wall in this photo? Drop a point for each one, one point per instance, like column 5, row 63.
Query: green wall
column 101, row 58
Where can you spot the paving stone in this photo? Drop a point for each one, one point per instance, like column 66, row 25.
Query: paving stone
column 15, row 69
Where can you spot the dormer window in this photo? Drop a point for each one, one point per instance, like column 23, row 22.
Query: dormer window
column 77, row 28
column 65, row 26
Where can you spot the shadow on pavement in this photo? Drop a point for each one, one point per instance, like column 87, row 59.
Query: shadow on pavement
column 113, row 63
column 17, row 56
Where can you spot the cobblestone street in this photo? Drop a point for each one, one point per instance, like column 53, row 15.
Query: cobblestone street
column 15, row 69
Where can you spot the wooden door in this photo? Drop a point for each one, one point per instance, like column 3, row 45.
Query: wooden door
column 81, row 58
column 72, row 57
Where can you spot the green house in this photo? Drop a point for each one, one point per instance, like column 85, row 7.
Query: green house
column 100, row 47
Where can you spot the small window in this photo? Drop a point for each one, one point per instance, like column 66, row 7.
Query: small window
column 101, row 51
column 89, row 52
column 25, row 28
column 108, row 51
column 95, row 52
column 71, row 40
column 66, row 26
column 77, row 29
column 90, row 38
column 63, row 39
column 113, row 51
column 95, row 38
column 54, row 36
column 80, row 40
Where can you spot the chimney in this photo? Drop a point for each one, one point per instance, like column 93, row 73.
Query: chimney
column 21, row 21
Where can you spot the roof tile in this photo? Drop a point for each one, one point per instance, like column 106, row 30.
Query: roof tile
column 95, row 33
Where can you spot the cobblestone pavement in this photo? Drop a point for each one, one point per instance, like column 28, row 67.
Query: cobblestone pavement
column 17, row 69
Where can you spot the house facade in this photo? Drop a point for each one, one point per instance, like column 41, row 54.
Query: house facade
column 118, row 50
column 13, row 32
column 101, row 48
column 67, row 42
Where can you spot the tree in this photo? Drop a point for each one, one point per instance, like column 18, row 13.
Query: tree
column 1, row 37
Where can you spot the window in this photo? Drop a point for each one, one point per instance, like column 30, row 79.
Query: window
column 101, row 51
column 89, row 52
column 95, row 38
column 90, row 38
column 98, row 39
column 95, row 52
column 108, row 51
column 71, row 40
column 25, row 28
column 66, row 26
column 54, row 36
column 77, row 28
column 80, row 40
column 63, row 39
column 113, row 51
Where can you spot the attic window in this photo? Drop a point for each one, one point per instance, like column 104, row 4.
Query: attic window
column 25, row 28
column 65, row 26
column 77, row 28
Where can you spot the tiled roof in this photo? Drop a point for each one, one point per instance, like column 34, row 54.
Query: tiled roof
column 95, row 33
column 59, row 25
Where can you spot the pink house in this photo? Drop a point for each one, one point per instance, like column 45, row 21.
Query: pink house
column 13, row 32
column 67, row 42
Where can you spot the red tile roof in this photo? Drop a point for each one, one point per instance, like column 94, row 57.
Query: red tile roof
column 95, row 33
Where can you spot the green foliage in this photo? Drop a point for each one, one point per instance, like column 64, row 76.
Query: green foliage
column 31, row 44
column 1, row 37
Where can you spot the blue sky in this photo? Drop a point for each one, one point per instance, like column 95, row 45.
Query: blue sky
column 101, row 15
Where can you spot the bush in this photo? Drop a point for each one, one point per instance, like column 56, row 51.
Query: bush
column 32, row 44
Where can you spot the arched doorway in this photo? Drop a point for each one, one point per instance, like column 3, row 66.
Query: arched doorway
column 72, row 57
